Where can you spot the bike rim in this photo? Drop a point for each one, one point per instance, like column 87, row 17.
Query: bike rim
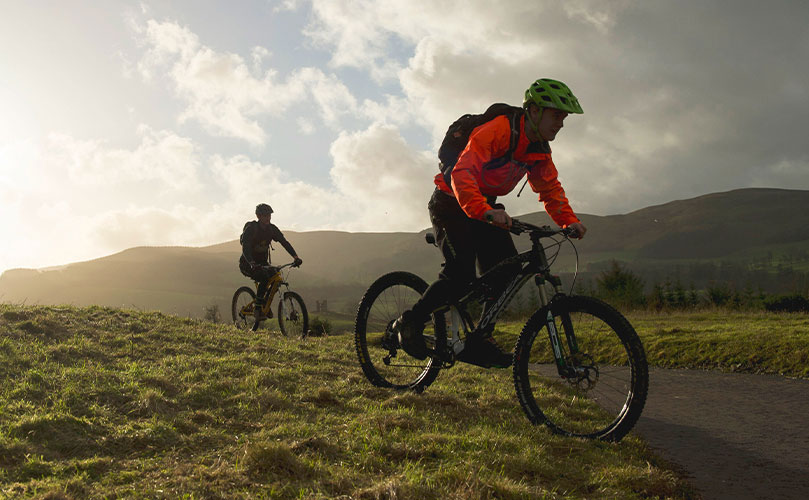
column 389, row 360
column 593, row 397
column 292, row 317
column 243, row 310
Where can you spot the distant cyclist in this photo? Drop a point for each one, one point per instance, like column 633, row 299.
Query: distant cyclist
column 256, row 239
column 492, row 164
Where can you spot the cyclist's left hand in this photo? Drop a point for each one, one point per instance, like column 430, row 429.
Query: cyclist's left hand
column 578, row 230
column 298, row 262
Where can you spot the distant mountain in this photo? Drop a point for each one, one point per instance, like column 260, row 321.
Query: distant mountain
column 338, row 266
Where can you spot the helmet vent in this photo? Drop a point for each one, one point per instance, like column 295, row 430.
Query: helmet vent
column 546, row 98
column 554, row 86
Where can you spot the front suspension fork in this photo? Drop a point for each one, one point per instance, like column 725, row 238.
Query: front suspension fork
column 562, row 366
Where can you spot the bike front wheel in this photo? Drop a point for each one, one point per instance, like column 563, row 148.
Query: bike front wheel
column 241, row 307
column 596, row 387
column 293, row 319
column 381, row 357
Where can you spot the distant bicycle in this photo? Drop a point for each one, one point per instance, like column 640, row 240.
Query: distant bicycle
column 293, row 319
column 578, row 366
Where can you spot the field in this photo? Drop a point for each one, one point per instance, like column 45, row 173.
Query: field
column 107, row 403
column 729, row 341
column 713, row 339
column 754, row 342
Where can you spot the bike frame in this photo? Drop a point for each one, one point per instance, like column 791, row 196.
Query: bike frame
column 274, row 284
column 533, row 262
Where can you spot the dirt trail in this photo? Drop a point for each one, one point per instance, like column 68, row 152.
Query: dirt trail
column 737, row 436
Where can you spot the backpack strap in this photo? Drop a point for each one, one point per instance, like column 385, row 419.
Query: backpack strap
column 514, row 140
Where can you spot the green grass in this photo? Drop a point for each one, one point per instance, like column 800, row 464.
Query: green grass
column 729, row 341
column 754, row 342
column 106, row 403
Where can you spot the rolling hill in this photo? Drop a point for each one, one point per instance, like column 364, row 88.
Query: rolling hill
column 338, row 266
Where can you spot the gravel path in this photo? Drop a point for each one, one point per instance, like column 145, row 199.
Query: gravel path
column 737, row 436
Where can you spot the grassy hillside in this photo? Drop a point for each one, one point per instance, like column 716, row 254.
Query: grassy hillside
column 106, row 403
column 744, row 342
column 338, row 267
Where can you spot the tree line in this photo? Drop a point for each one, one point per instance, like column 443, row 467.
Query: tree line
column 731, row 286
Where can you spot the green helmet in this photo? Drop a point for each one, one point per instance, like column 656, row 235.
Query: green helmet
column 548, row 93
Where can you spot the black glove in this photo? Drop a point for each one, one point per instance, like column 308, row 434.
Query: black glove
column 298, row 262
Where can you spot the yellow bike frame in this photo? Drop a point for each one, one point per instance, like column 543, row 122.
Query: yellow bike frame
column 272, row 287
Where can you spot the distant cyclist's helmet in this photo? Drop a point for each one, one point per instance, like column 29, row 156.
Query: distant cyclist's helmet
column 548, row 93
column 263, row 209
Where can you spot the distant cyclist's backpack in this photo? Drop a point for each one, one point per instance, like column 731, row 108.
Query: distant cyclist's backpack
column 457, row 137
column 244, row 230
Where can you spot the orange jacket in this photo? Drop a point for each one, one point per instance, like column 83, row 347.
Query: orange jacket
column 471, row 183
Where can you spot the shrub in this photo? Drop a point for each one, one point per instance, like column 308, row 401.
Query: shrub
column 787, row 303
column 212, row 314
column 319, row 326
column 620, row 286
column 719, row 294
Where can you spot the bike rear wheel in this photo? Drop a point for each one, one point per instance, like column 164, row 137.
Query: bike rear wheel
column 241, row 307
column 382, row 359
column 293, row 319
column 602, row 392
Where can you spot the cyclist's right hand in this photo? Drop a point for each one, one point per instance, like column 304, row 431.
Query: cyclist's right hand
column 577, row 230
column 498, row 217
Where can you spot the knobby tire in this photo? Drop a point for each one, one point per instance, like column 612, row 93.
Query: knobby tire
column 243, row 296
column 606, row 403
column 294, row 319
column 384, row 301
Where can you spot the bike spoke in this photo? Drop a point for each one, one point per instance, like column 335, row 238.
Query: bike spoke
column 383, row 360
column 604, row 398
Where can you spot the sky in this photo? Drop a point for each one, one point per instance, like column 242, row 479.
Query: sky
column 125, row 124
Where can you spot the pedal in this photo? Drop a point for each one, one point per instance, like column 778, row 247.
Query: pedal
column 446, row 358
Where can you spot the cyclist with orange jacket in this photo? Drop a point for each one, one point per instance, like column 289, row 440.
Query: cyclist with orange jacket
column 469, row 225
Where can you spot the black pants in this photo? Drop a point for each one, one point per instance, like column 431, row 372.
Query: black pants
column 464, row 242
column 260, row 276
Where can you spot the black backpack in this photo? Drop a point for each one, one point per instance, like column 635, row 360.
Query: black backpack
column 457, row 137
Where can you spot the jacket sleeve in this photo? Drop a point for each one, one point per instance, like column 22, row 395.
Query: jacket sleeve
column 488, row 141
column 544, row 179
column 279, row 237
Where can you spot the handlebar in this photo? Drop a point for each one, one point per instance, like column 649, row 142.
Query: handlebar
column 278, row 268
column 519, row 227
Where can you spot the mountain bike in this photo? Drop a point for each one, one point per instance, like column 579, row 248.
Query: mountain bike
column 578, row 366
column 293, row 319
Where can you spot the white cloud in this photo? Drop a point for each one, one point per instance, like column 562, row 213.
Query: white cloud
column 226, row 96
column 332, row 96
column 599, row 13
column 287, row 5
column 305, row 126
column 388, row 180
column 70, row 192
column 161, row 156
column 134, row 226
column 354, row 28
column 394, row 110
